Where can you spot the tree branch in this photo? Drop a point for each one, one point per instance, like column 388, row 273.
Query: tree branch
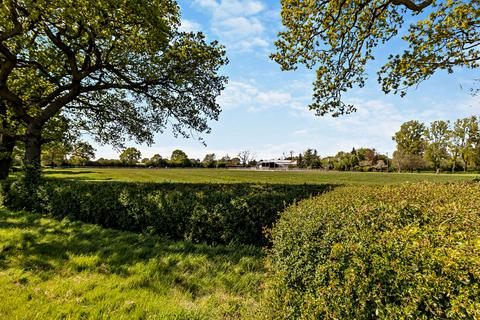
column 412, row 5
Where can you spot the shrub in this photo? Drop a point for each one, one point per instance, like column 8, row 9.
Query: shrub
column 410, row 251
column 212, row 213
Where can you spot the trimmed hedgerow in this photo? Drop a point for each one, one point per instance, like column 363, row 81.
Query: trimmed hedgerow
column 211, row 213
column 405, row 252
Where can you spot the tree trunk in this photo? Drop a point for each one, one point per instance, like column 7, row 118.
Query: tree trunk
column 7, row 143
column 454, row 163
column 33, row 145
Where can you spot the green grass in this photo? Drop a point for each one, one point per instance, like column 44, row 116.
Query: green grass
column 53, row 269
column 70, row 270
column 250, row 176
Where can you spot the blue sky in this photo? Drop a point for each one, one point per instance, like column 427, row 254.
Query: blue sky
column 266, row 111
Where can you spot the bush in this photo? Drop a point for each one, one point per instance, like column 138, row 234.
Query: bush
column 410, row 251
column 212, row 213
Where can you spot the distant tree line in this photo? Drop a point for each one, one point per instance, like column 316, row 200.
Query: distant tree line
column 439, row 146
column 442, row 145
column 362, row 159
column 68, row 153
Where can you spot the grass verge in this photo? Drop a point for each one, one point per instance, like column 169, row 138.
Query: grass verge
column 53, row 269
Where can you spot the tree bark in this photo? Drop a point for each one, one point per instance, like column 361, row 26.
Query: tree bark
column 33, row 145
column 7, row 143
column 454, row 163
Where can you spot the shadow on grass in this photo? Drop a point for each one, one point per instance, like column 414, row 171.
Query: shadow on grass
column 46, row 247
column 65, row 172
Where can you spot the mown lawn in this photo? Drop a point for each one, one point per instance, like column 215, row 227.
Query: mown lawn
column 249, row 176
column 70, row 270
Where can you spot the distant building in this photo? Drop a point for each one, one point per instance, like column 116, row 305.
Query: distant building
column 275, row 164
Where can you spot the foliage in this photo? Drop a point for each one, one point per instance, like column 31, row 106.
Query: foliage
column 53, row 269
column 309, row 159
column 130, row 156
column 410, row 138
column 157, row 161
column 179, row 159
column 465, row 137
column 55, row 153
column 404, row 161
column 410, row 251
column 339, row 38
column 438, row 137
column 210, row 160
column 82, row 153
column 446, row 39
column 212, row 213
column 115, row 68
column 441, row 144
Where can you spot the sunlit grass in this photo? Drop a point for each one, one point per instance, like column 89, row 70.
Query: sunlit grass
column 249, row 176
column 54, row 270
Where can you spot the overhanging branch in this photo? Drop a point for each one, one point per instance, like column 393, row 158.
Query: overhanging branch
column 412, row 5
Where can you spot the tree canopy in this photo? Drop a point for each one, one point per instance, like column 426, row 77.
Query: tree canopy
column 130, row 156
column 338, row 38
column 115, row 68
column 442, row 144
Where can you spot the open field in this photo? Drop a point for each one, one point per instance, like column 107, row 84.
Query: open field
column 250, row 176
column 52, row 269
column 70, row 270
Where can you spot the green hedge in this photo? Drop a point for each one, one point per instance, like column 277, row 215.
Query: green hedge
column 405, row 252
column 211, row 213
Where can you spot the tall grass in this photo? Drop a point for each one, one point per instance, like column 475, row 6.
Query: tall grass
column 70, row 270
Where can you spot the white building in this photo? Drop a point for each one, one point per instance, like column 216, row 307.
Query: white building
column 275, row 164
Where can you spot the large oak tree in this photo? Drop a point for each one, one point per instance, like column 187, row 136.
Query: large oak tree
column 113, row 67
column 338, row 38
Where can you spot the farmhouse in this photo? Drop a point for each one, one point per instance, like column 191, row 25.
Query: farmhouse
column 275, row 164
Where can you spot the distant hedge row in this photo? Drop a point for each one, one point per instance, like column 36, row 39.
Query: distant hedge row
column 211, row 213
column 405, row 252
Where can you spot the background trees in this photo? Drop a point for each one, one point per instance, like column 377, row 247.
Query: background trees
column 82, row 153
column 411, row 146
column 437, row 137
column 465, row 135
column 157, row 161
column 338, row 38
column 179, row 159
column 130, row 156
column 210, row 160
column 115, row 68
column 245, row 157
column 55, row 153
column 440, row 145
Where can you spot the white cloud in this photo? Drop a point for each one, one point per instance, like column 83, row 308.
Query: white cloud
column 301, row 132
column 253, row 99
column 189, row 26
column 238, row 27
column 237, row 23
column 208, row 4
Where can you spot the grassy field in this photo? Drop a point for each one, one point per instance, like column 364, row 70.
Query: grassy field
column 69, row 270
column 250, row 176
column 52, row 269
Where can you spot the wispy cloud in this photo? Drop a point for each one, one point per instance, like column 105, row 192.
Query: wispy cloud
column 237, row 23
column 249, row 96
column 190, row 26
